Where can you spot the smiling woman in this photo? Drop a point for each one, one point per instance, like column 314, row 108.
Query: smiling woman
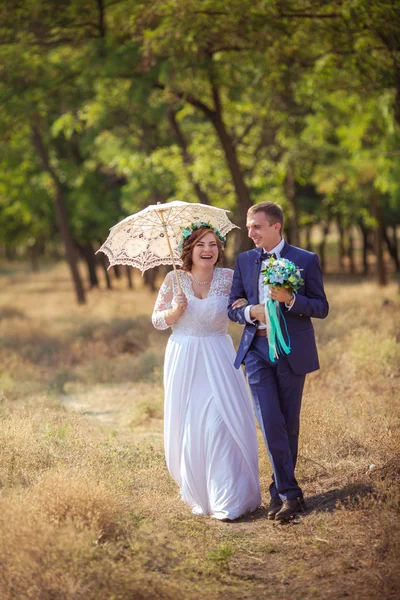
column 203, row 242
column 202, row 250
column 206, row 253
column 209, row 431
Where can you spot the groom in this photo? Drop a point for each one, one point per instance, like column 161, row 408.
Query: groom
column 277, row 387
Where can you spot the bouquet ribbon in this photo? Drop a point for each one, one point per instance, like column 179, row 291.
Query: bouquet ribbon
column 276, row 342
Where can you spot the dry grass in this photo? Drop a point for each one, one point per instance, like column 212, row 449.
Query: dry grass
column 87, row 508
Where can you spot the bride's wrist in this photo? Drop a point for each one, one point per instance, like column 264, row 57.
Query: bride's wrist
column 177, row 312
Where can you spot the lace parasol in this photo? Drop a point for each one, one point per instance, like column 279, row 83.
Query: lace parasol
column 151, row 237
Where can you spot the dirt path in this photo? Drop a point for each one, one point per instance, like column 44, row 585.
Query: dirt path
column 119, row 410
column 332, row 551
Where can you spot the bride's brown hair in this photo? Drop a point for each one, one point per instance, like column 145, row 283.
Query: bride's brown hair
column 191, row 241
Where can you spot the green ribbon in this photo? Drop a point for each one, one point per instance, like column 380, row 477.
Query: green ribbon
column 276, row 341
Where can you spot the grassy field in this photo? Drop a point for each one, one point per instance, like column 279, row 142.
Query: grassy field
column 87, row 508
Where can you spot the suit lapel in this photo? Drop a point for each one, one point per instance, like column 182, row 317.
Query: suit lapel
column 285, row 249
column 256, row 274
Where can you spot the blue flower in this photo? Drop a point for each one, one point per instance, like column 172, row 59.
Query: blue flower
column 189, row 229
column 282, row 272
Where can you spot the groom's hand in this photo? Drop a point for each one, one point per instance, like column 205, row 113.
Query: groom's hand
column 257, row 311
column 280, row 294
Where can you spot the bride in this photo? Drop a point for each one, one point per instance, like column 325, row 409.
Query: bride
column 209, row 431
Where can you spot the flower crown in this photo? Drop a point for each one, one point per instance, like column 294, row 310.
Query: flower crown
column 187, row 232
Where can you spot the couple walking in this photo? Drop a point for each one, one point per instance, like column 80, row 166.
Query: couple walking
column 209, row 431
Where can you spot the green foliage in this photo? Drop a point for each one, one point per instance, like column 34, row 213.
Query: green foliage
column 26, row 215
column 303, row 93
column 220, row 556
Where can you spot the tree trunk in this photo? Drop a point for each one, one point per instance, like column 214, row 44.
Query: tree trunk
column 391, row 244
column 187, row 159
column 308, row 238
column 89, row 255
column 396, row 249
column 288, row 233
column 341, row 253
column 380, row 262
column 117, row 271
column 397, row 96
column 291, row 196
column 11, row 252
column 33, row 257
column 242, row 193
column 394, row 240
column 61, row 214
column 149, row 277
column 101, row 19
column 321, row 247
column 129, row 277
column 350, row 251
column 104, row 264
column 366, row 246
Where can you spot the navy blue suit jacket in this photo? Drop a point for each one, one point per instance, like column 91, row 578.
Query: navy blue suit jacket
column 310, row 302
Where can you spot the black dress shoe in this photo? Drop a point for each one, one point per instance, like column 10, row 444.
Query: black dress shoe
column 290, row 508
column 274, row 507
column 302, row 502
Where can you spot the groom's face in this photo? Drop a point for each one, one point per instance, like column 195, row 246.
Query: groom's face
column 263, row 233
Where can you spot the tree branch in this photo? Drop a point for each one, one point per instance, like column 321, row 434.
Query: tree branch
column 189, row 98
column 247, row 129
column 216, row 98
column 186, row 157
column 310, row 16
column 211, row 13
column 231, row 49
column 101, row 26
column 42, row 152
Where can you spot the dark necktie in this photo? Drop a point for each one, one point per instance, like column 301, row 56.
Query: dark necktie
column 267, row 255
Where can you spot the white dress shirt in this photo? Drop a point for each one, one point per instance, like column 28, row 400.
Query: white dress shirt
column 263, row 290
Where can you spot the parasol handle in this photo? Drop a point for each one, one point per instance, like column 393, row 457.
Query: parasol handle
column 170, row 250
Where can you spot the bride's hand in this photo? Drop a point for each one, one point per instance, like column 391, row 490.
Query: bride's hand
column 180, row 302
column 240, row 303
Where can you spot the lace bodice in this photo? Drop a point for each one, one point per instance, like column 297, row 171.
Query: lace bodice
column 202, row 317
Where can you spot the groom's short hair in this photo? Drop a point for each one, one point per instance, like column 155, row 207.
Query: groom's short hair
column 272, row 211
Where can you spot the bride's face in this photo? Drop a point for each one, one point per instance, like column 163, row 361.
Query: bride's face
column 205, row 252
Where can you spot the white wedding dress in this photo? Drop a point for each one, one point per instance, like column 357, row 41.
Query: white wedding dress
column 209, row 431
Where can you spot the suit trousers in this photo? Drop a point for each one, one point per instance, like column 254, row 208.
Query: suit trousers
column 277, row 393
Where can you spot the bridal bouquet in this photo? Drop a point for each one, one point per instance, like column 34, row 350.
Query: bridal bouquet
column 279, row 272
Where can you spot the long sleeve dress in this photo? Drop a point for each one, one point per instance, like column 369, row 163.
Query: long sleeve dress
column 209, row 430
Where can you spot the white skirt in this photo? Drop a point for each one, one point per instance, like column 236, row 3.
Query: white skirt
column 209, row 432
